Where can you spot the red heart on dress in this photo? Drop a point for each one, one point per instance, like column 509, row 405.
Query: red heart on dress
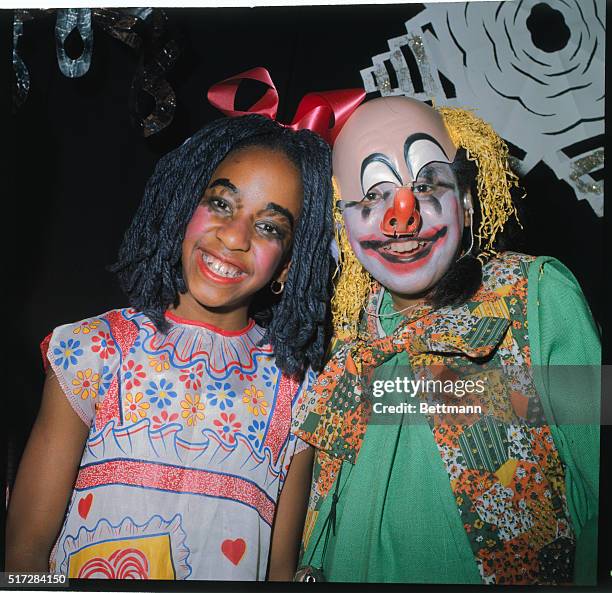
column 85, row 505
column 234, row 549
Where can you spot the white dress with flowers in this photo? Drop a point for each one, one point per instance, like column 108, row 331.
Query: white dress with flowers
column 187, row 452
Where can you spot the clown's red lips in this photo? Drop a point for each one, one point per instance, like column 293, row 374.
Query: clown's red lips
column 403, row 250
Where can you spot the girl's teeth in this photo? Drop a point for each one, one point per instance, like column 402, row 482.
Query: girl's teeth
column 218, row 267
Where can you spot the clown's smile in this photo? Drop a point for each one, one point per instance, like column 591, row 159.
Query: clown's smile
column 404, row 250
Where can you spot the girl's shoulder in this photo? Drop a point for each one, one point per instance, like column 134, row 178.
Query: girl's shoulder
column 114, row 329
column 85, row 357
column 88, row 325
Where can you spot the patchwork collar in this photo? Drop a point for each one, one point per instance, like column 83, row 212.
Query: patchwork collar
column 335, row 416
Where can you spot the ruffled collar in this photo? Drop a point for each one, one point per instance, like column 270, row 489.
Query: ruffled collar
column 174, row 318
column 187, row 343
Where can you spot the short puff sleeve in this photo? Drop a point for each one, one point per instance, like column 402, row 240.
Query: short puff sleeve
column 85, row 358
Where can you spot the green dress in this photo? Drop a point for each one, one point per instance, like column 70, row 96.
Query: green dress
column 396, row 516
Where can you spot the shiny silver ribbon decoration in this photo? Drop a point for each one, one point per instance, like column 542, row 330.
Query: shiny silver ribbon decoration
column 161, row 55
column 22, row 76
column 69, row 20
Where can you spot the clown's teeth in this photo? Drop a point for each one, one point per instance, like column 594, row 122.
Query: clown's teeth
column 404, row 246
column 221, row 268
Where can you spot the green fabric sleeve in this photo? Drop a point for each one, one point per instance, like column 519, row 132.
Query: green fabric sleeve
column 562, row 332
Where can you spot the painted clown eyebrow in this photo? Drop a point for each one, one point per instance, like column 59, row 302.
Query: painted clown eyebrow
column 226, row 183
column 278, row 209
column 420, row 136
column 378, row 157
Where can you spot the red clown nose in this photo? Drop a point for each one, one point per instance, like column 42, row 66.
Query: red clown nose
column 402, row 218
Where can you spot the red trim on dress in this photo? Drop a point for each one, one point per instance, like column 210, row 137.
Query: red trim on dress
column 176, row 479
column 214, row 328
column 278, row 429
column 124, row 332
column 109, row 408
column 44, row 348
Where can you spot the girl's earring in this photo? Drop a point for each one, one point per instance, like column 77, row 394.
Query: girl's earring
column 277, row 287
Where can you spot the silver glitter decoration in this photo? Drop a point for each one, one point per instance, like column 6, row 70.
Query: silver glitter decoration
column 430, row 87
column 382, row 79
column 401, row 68
column 416, row 45
column 581, row 168
column 120, row 23
column 377, row 78
column 69, row 19
column 22, row 76
column 402, row 72
column 151, row 80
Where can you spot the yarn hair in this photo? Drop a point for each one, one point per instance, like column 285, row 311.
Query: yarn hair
column 149, row 266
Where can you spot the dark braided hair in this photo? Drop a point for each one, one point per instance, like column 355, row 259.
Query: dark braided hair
column 464, row 277
column 149, row 266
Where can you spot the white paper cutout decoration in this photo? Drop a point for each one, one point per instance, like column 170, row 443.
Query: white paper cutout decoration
column 534, row 69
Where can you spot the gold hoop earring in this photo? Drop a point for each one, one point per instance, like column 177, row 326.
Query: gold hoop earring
column 276, row 287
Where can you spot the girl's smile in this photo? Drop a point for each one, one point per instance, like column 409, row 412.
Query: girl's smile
column 220, row 269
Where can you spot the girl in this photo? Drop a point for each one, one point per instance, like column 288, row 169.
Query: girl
column 162, row 443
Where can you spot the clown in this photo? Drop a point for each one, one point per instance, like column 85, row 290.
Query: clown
column 503, row 488
column 402, row 210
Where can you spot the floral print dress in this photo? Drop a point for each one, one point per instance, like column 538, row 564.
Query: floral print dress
column 188, row 448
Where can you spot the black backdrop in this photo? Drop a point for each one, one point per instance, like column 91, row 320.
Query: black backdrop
column 80, row 166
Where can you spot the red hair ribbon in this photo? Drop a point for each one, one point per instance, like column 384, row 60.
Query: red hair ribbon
column 324, row 113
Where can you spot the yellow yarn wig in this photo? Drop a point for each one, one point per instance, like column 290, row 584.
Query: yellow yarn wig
column 495, row 179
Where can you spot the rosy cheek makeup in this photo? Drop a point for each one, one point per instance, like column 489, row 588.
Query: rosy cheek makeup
column 198, row 223
column 267, row 259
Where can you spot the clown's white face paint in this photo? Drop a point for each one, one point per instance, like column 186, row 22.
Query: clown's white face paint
column 403, row 212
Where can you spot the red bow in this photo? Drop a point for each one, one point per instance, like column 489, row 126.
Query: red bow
column 324, row 113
